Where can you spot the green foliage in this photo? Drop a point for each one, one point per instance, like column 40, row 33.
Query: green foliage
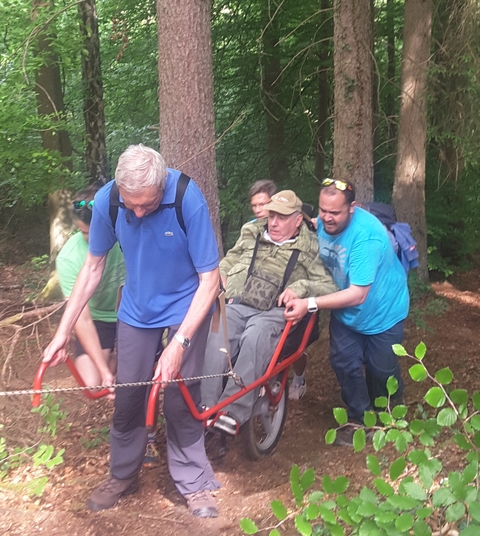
column 51, row 413
column 96, row 436
column 410, row 492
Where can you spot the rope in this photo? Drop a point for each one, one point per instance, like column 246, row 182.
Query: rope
column 115, row 386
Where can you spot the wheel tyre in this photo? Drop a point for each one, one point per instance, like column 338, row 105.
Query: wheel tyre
column 262, row 432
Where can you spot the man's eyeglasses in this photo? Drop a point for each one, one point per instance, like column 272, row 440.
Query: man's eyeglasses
column 80, row 205
column 339, row 185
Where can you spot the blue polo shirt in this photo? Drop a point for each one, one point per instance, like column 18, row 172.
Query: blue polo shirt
column 363, row 255
column 162, row 261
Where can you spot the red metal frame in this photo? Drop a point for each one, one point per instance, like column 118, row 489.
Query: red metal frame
column 274, row 368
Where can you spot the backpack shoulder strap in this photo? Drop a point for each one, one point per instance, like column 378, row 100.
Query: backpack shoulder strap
column 181, row 188
column 115, row 203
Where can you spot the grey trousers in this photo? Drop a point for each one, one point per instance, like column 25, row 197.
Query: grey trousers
column 187, row 460
column 253, row 335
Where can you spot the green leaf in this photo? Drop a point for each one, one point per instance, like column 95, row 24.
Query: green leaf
column 399, row 350
column 435, row 397
column 312, row 511
column 404, row 522
column 340, row 484
column 475, row 422
column 370, row 419
column 417, row 372
column 274, row 532
column 385, row 418
column 342, row 500
column 462, row 441
column 373, row 465
column 476, row 439
column 368, row 495
column 367, row 509
column 444, row 376
column 335, row 530
column 459, row 396
column 416, row 426
column 379, row 440
column 315, row 496
column 392, row 435
column 470, row 472
column 401, row 443
column 294, row 474
column 471, row 530
column 401, row 502
column 417, row 456
column 476, row 400
column 455, row 512
column 474, row 510
column 421, row 528
column 330, row 437
column 415, row 491
column 446, row 417
column 383, row 487
column 420, row 350
column 340, row 415
column 327, row 484
column 359, row 440
column 392, row 385
column 307, row 479
column 423, row 513
column 397, row 468
column 303, row 526
column 279, row 509
column 442, row 497
column 248, row 526
column 399, row 411
column 326, row 514
column 381, row 402
column 297, row 492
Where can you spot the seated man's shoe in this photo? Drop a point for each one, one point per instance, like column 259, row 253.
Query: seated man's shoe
column 297, row 391
column 107, row 494
column 226, row 423
column 202, row 504
column 345, row 434
column 151, row 459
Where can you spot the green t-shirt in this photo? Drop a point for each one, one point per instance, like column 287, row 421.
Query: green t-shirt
column 69, row 262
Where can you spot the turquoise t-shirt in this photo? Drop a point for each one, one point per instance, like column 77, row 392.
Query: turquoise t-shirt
column 69, row 262
column 363, row 255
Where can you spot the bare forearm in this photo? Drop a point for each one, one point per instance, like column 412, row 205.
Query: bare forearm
column 87, row 335
column 344, row 298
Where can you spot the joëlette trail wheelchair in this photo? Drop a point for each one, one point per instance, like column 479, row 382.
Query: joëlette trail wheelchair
column 262, row 432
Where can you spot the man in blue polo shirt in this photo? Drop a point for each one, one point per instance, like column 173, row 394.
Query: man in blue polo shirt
column 369, row 311
column 171, row 284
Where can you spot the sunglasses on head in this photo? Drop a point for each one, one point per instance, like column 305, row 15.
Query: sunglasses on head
column 339, row 185
column 80, row 205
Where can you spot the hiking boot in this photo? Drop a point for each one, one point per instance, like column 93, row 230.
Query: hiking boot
column 202, row 504
column 107, row 494
column 297, row 391
column 151, row 459
column 227, row 424
column 345, row 434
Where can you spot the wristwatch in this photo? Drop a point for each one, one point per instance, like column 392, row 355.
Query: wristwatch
column 312, row 306
column 184, row 341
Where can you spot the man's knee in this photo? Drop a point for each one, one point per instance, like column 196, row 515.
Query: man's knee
column 129, row 408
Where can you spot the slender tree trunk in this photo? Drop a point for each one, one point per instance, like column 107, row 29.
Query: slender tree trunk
column 93, row 105
column 272, row 91
column 50, row 103
column 187, row 123
column 353, row 136
column 409, row 185
column 324, row 63
column 390, row 99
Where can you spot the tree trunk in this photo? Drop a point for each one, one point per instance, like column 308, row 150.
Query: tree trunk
column 353, row 137
column 323, row 90
column 272, row 93
column 187, row 122
column 93, row 105
column 409, row 185
column 50, row 103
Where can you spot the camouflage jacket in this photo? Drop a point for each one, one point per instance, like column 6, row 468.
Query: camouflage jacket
column 309, row 276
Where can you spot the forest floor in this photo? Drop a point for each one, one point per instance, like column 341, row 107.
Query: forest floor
column 446, row 320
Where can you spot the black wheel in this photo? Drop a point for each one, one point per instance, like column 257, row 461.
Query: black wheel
column 263, row 430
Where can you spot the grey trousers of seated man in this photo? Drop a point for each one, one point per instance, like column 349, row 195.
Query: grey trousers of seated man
column 253, row 335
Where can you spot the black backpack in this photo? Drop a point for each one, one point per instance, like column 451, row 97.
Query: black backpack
column 182, row 184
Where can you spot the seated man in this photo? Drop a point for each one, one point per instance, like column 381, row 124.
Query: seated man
column 277, row 260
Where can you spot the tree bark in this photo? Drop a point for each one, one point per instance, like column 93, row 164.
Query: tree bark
column 50, row 103
column 353, row 136
column 187, row 121
column 93, row 104
column 409, row 185
column 272, row 95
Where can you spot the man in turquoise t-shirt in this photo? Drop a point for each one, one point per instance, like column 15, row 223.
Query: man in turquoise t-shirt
column 369, row 311
column 96, row 327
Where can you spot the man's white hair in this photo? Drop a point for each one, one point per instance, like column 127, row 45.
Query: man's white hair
column 140, row 167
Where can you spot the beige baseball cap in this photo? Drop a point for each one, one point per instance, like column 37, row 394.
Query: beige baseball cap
column 284, row 202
